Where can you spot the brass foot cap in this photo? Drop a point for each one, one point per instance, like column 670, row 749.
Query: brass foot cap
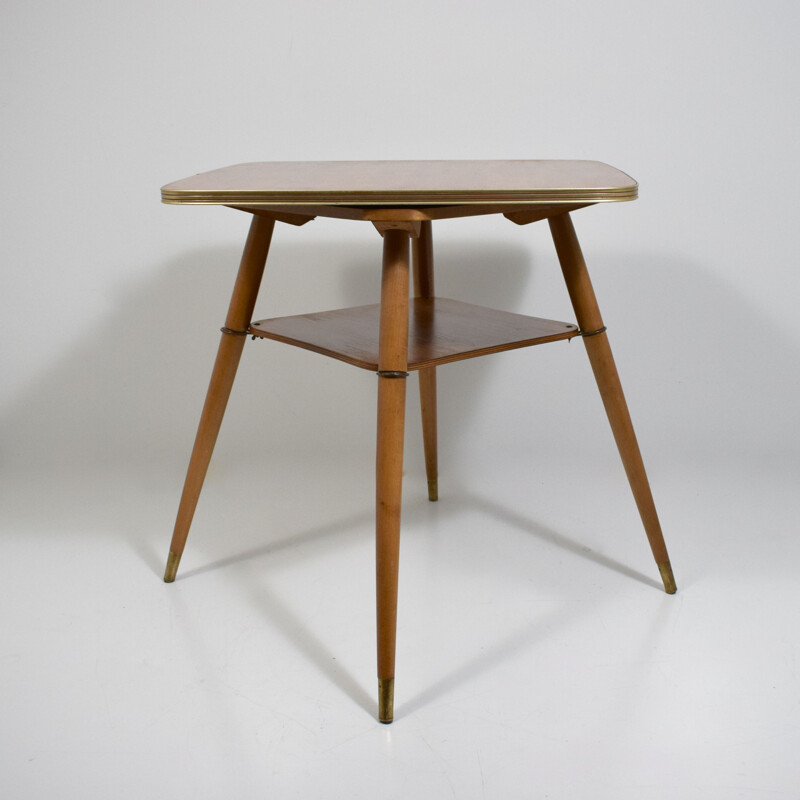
column 172, row 567
column 670, row 587
column 433, row 490
column 386, row 700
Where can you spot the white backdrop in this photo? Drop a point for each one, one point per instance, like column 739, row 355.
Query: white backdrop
column 111, row 301
column 567, row 674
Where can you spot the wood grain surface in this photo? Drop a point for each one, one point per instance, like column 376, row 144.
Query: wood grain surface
column 440, row 331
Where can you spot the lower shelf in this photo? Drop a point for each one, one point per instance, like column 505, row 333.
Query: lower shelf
column 440, row 331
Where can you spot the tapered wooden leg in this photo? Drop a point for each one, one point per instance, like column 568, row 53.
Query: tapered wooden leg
column 392, row 372
column 605, row 372
column 422, row 251
column 231, row 345
column 427, row 397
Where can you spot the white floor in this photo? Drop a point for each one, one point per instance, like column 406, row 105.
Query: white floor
column 537, row 657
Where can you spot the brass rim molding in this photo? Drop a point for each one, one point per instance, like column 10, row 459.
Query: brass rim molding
column 409, row 183
column 379, row 199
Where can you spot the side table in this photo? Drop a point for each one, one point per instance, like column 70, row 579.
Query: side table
column 400, row 335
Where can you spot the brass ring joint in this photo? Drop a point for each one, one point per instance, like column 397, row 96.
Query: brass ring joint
column 391, row 374
column 593, row 333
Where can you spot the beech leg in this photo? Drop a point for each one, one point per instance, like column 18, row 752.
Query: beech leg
column 231, row 345
column 605, row 372
column 392, row 373
column 422, row 250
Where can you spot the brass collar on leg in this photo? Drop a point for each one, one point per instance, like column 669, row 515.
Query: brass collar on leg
column 172, row 567
column 386, row 700
column 592, row 333
column 670, row 587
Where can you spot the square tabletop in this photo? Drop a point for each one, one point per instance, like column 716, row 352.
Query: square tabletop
column 404, row 184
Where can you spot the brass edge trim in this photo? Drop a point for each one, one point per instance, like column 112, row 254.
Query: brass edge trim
column 396, row 199
column 207, row 200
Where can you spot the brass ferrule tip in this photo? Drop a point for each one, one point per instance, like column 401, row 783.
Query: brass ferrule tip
column 172, row 567
column 386, row 700
column 670, row 587
column 433, row 490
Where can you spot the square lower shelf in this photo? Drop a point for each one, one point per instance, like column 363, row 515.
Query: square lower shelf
column 440, row 331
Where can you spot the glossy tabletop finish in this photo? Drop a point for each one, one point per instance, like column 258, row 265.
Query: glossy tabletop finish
column 404, row 183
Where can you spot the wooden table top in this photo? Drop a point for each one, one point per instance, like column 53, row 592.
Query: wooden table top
column 404, row 184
